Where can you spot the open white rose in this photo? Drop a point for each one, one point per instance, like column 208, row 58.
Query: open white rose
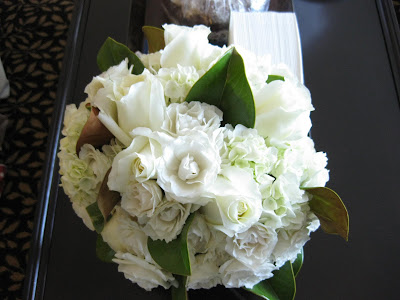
column 188, row 46
column 283, row 111
column 167, row 221
column 138, row 163
column 188, row 167
column 237, row 203
column 141, row 198
column 145, row 274
column 127, row 101
column 254, row 246
column 123, row 234
column 183, row 118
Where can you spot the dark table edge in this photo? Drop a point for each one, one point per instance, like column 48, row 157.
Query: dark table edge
column 35, row 277
column 391, row 33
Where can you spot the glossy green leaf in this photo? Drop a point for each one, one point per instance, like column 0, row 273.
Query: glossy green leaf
column 179, row 293
column 274, row 77
column 282, row 286
column 225, row 85
column 173, row 256
column 112, row 53
column 103, row 250
column 96, row 216
column 330, row 210
column 298, row 263
column 155, row 38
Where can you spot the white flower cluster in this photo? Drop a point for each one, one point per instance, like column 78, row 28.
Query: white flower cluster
column 251, row 216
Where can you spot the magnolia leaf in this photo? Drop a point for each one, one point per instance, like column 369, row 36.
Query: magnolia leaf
column 94, row 132
column 107, row 199
column 274, row 77
column 225, row 85
column 155, row 38
column 179, row 293
column 96, row 216
column 330, row 210
column 112, row 53
column 103, row 250
column 298, row 263
column 282, row 286
column 173, row 256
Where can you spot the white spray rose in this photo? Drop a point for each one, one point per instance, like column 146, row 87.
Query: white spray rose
column 237, row 201
column 188, row 46
column 253, row 247
column 183, row 118
column 137, row 163
column 123, row 234
column 188, row 167
column 127, row 101
column 283, row 111
column 167, row 221
column 146, row 275
column 141, row 198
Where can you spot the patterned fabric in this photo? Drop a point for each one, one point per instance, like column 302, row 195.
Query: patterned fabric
column 33, row 37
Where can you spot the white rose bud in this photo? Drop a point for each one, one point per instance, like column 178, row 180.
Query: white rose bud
column 237, row 203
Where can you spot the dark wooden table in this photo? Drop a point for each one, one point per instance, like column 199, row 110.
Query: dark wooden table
column 351, row 66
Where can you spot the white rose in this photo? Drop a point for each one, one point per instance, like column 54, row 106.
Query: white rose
column 283, row 111
column 141, row 198
column 146, row 275
column 188, row 167
column 138, row 162
column 237, row 201
column 253, row 247
column 188, row 46
column 183, row 118
column 127, row 101
column 167, row 221
column 235, row 274
column 151, row 61
column 123, row 234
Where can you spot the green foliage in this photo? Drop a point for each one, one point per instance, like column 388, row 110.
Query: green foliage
column 173, row 256
column 155, row 38
column 103, row 250
column 112, row 53
column 225, row 85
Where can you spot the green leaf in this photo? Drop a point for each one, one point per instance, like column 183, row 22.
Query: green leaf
column 298, row 263
column 282, row 286
column 103, row 250
column 173, row 256
column 96, row 216
column 274, row 77
column 225, row 85
column 330, row 210
column 155, row 38
column 112, row 53
column 179, row 293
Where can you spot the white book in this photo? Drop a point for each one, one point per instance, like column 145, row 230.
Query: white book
column 274, row 33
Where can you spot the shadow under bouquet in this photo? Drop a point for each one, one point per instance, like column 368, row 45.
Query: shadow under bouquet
column 194, row 166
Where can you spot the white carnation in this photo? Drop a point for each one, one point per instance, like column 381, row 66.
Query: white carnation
column 183, row 118
column 146, row 275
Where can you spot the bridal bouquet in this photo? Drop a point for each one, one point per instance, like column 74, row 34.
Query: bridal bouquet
column 194, row 165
